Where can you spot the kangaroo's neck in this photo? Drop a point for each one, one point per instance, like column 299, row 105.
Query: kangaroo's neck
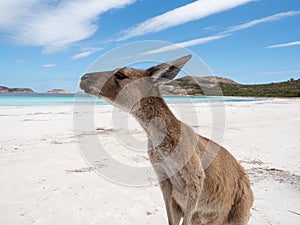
column 157, row 119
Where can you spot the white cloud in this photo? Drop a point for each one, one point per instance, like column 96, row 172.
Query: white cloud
column 190, row 12
column 53, row 25
column 201, row 40
column 85, row 53
column 253, row 23
column 82, row 55
column 186, row 44
column 22, row 60
column 49, row 65
column 13, row 11
column 229, row 32
column 210, row 28
column 284, row 45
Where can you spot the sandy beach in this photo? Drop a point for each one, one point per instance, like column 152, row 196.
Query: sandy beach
column 45, row 180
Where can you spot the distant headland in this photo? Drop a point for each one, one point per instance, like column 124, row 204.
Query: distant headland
column 59, row 91
column 15, row 90
column 194, row 86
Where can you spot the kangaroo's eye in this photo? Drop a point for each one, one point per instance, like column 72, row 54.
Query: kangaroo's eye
column 120, row 76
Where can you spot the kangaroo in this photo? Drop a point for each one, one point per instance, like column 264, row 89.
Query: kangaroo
column 219, row 194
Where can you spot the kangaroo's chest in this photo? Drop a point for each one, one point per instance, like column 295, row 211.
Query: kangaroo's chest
column 179, row 189
column 163, row 171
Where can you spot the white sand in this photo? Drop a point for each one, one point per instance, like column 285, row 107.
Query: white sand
column 44, row 179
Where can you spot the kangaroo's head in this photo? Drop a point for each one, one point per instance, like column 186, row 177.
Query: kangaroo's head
column 126, row 86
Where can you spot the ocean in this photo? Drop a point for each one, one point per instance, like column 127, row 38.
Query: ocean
column 43, row 99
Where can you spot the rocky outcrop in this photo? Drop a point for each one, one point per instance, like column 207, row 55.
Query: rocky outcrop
column 206, row 81
column 15, row 90
column 59, row 91
column 193, row 85
column 4, row 89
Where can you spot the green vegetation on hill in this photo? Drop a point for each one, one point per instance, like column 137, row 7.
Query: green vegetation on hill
column 289, row 88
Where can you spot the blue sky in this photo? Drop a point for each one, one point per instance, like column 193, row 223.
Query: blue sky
column 50, row 44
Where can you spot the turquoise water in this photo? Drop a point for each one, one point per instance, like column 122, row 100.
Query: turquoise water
column 36, row 99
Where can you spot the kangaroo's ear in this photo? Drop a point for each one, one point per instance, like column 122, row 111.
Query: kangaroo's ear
column 167, row 71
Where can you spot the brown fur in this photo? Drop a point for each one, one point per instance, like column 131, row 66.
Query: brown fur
column 218, row 195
